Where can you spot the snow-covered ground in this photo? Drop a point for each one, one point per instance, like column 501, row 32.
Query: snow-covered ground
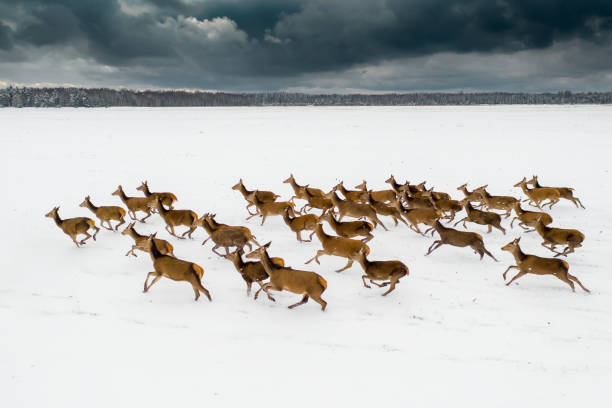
column 77, row 331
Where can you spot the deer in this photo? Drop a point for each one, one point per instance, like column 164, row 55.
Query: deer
column 413, row 202
column 263, row 196
column 381, row 195
column 552, row 237
column 309, row 284
column 458, row 238
column 472, row 196
column 303, row 223
column 322, row 203
column 566, row 193
column 536, row 196
column 226, row 236
column 175, row 269
column 394, row 184
column 496, row 202
column 356, row 196
column 390, row 271
column 73, row 227
column 490, row 219
column 528, row 218
column 349, row 229
column 539, row 266
column 167, row 199
column 437, row 195
column 252, row 271
column 175, row 218
column 267, row 209
column 338, row 246
column 106, row 213
column 416, row 216
column 300, row 191
column 444, row 205
column 353, row 209
column 143, row 204
column 163, row 246
column 385, row 209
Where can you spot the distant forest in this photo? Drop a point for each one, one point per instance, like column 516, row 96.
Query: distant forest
column 103, row 97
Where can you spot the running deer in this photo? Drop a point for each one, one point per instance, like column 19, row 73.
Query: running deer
column 251, row 271
column 381, row 195
column 472, row 196
column 338, row 246
column 490, row 219
column 444, row 205
column 457, row 238
column 175, row 218
column 394, row 184
column 300, row 191
column 504, row 203
column 175, row 269
column 167, row 199
column 437, row 195
column 536, row 196
column 106, row 213
column 306, row 222
column 539, row 266
column 306, row 283
column 558, row 236
column 350, row 229
column 227, row 236
column 413, row 201
column 321, row 203
column 263, row 196
column 566, row 193
column 357, row 196
column 385, row 209
column 353, row 209
column 416, row 216
column 74, row 227
column 140, row 242
column 528, row 218
column 143, row 204
column 265, row 210
column 390, row 271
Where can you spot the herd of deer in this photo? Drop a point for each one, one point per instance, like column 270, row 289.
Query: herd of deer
column 406, row 203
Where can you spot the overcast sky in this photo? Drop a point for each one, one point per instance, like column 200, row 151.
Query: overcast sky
column 310, row 45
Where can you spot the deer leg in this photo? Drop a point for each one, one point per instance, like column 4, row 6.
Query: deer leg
column 157, row 277
column 437, row 244
column 348, row 265
column 317, row 298
column 499, row 227
column 265, row 287
column 103, row 226
column 310, row 238
column 148, row 215
column 510, row 267
column 316, row 257
column 297, row 234
column 87, row 236
column 363, row 278
column 518, row 275
column 263, row 219
column 367, row 238
column 201, row 288
column 376, row 221
column 131, row 251
column 380, row 285
column 402, row 220
column 394, row 281
column 203, row 242
column 461, row 220
column 488, row 253
column 575, row 279
column 579, row 202
column 251, row 216
column 214, row 249
column 301, row 302
column 249, row 284
column 132, row 215
column 73, row 237
column 196, row 290
column 512, row 222
column 489, row 228
column 122, row 221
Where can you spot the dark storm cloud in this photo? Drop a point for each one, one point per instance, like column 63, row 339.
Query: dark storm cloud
column 203, row 43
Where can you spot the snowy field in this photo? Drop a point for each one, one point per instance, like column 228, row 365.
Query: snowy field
column 77, row 331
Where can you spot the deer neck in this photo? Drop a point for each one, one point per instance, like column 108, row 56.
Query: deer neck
column 296, row 187
column 286, row 218
column 90, row 205
column 466, row 192
column 519, row 256
column 335, row 199
column 154, row 251
column 363, row 261
column 146, row 191
column 518, row 210
column 541, row 228
column 57, row 219
column 238, row 262
column 122, row 195
column 267, row 263
column 207, row 226
column 135, row 236
column 320, row 233
column 524, row 188
column 243, row 190
column 439, row 227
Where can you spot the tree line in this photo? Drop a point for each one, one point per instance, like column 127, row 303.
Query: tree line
column 104, row 97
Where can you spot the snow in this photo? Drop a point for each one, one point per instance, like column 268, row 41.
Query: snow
column 76, row 329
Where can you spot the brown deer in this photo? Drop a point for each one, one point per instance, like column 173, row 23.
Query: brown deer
column 539, row 266
column 300, row 191
column 390, row 271
column 143, row 204
column 490, row 219
column 385, row 209
column 263, row 196
column 444, row 205
column 472, row 196
column 457, row 238
column 74, row 227
column 338, row 246
column 175, row 269
column 566, row 193
column 306, row 222
column 306, row 283
column 106, row 213
column 413, row 201
column 504, row 203
column 321, row 203
column 536, row 196
column 528, row 218
column 252, row 271
column 394, row 184
column 416, row 216
column 167, row 199
column 350, row 229
column 381, row 195
column 437, row 195
column 140, row 242
column 175, row 218
column 353, row 209
column 265, row 210
column 226, row 236
column 357, row 196
column 558, row 236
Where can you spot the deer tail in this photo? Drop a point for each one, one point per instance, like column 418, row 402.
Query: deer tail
column 322, row 282
column 198, row 270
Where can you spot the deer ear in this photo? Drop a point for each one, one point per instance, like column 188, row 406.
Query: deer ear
column 154, row 234
column 267, row 245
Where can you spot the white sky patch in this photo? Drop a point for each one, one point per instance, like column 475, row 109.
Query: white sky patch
column 219, row 29
column 135, row 7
